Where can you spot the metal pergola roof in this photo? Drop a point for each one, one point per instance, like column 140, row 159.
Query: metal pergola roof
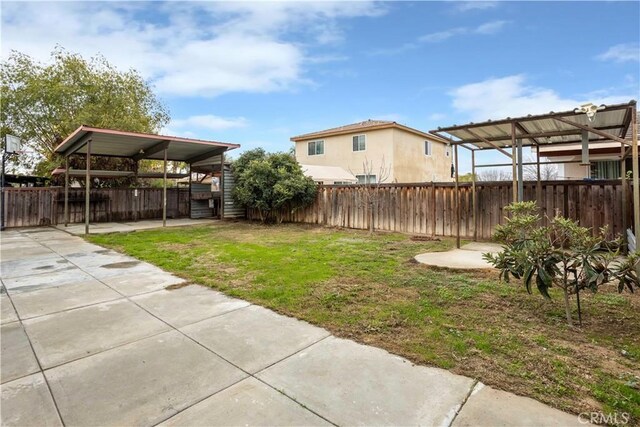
column 587, row 125
column 609, row 124
column 139, row 146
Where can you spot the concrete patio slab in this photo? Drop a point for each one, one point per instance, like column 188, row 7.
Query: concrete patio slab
column 483, row 247
column 254, row 337
column 30, row 266
column 45, row 280
column 202, row 303
column 247, row 403
column 27, row 402
column 142, row 383
column 63, row 337
column 456, row 258
column 66, row 250
column 353, row 384
column 7, row 313
column 138, row 283
column 17, row 358
column 15, row 251
column 123, row 266
column 493, row 408
column 60, row 298
column 45, row 234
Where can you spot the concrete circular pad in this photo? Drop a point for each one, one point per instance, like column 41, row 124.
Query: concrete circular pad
column 469, row 257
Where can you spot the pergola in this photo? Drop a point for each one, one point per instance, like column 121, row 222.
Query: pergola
column 89, row 141
column 588, row 126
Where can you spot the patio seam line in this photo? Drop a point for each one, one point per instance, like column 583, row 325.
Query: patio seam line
column 464, row 401
column 206, row 348
column 44, row 272
column 35, row 356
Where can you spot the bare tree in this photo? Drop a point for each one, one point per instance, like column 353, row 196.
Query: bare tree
column 371, row 188
column 494, row 175
column 548, row 171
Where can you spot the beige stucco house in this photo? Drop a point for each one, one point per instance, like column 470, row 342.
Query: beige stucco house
column 366, row 148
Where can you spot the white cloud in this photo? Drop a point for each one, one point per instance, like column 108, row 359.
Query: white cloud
column 621, row 53
column 464, row 6
column 511, row 96
column 487, row 28
column 208, row 122
column 490, row 27
column 190, row 49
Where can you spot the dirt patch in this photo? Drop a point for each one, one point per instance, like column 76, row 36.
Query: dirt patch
column 421, row 238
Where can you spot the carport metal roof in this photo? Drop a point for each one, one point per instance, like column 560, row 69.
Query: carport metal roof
column 138, row 146
column 91, row 141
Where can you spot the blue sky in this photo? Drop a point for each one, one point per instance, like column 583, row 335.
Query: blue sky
column 257, row 73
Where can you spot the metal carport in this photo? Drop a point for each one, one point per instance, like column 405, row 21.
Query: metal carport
column 91, row 141
column 587, row 125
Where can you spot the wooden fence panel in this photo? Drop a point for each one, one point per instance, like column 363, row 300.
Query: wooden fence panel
column 27, row 207
column 430, row 208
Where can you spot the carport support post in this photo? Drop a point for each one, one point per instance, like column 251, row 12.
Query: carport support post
column 457, row 200
column 222, row 186
column 473, row 195
column 87, row 189
column 514, row 190
column 164, row 191
column 66, row 191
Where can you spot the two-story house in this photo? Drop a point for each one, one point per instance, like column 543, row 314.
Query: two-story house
column 367, row 148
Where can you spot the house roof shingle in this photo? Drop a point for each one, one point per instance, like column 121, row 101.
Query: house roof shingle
column 361, row 126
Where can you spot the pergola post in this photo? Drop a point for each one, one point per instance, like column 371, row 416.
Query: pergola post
column 87, row 189
column 66, row 191
column 538, row 182
column 164, row 191
column 520, row 172
column 636, row 178
column 623, row 183
column 514, row 190
column 474, row 203
column 457, row 200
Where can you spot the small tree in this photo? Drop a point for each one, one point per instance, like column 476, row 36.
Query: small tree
column 562, row 254
column 270, row 182
column 371, row 188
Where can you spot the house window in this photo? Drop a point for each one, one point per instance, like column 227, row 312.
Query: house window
column 359, row 143
column 605, row 170
column 366, row 179
column 315, row 148
column 427, row 148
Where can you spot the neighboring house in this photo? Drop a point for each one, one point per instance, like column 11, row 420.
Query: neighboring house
column 604, row 159
column 328, row 174
column 407, row 154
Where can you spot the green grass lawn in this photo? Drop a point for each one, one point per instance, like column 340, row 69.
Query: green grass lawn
column 367, row 288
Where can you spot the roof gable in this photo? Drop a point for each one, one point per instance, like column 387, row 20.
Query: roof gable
column 367, row 125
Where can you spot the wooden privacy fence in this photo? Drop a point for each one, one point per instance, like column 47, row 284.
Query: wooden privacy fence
column 25, row 207
column 429, row 208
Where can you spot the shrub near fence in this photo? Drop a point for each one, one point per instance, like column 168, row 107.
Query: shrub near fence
column 430, row 208
column 26, row 207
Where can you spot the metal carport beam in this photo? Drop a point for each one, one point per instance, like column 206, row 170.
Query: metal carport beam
column 152, row 150
column 204, row 156
column 77, row 145
column 592, row 130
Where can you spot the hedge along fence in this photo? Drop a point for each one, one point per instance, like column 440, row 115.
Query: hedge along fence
column 429, row 209
column 25, row 207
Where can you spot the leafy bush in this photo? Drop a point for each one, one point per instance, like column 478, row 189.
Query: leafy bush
column 269, row 182
column 563, row 254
